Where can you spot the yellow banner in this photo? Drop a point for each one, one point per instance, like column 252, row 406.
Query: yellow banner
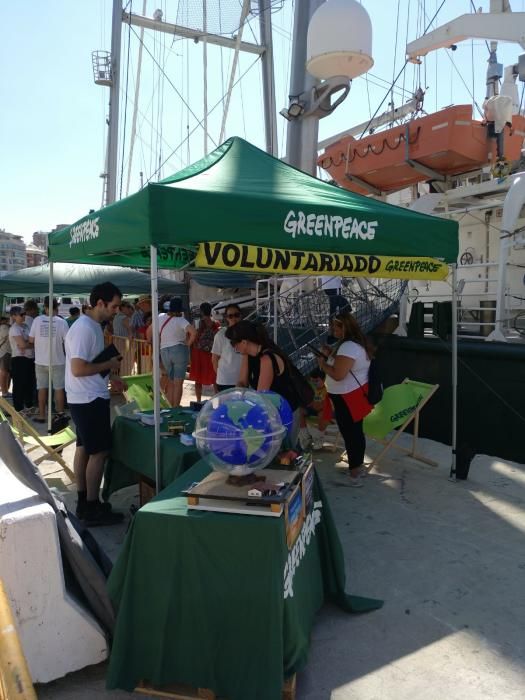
column 251, row 258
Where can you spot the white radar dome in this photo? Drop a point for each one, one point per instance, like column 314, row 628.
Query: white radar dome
column 339, row 40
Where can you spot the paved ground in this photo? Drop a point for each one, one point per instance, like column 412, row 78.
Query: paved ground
column 447, row 558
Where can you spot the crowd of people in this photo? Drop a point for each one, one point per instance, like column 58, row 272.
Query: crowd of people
column 239, row 354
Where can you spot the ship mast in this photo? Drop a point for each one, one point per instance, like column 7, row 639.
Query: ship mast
column 112, row 75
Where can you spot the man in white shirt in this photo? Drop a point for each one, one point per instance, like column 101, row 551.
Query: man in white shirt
column 39, row 336
column 88, row 398
column 226, row 362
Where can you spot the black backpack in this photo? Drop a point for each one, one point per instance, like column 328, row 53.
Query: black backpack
column 302, row 387
column 375, row 385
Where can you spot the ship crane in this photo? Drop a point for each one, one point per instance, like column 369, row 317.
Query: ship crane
column 500, row 23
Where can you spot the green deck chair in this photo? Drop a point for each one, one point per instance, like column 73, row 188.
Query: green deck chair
column 401, row 404
column 140, row 389
column 30, row 439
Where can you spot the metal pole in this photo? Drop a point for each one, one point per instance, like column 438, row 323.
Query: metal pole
column 275, row 309
column 156, row 362
column 454, row 368
column 116, row 39
column 50, row 340
column 268, row 77
column 302, row 134
column 205, row 75
column 135, row 102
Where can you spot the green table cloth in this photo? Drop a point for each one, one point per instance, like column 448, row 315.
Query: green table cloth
column 133, row 452
column 216, row 600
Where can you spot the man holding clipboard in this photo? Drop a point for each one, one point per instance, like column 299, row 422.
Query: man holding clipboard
column 88, row 364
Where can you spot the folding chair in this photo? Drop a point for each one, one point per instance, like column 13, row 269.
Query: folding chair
column 140, row 389
column 400, row 406
column 30, row 439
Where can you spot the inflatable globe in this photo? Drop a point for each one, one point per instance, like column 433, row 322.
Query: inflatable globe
column 283, row 408
column 239, row 431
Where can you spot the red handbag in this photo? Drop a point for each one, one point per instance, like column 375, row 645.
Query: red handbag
column 357, row 403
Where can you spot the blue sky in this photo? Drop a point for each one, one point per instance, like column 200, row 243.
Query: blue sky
column 53, row 131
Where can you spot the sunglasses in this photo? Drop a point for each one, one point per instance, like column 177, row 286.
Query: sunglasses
column 235, row 315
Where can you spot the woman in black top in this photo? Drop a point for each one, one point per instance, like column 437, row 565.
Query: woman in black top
column 264, row 365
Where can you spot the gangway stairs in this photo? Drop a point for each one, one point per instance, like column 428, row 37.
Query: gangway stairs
column 302, row 311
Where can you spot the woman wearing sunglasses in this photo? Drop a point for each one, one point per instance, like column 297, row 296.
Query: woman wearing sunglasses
column 226, row 362
column 347, row 381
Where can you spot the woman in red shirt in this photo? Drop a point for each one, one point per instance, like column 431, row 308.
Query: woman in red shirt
column 201, row 368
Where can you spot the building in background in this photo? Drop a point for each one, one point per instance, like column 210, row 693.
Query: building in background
column 12, row 252
column 40, row 239
column 35, row 255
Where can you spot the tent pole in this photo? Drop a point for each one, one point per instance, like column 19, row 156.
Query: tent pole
column 156, row 368
column 275, row 307
column 454, row 368
column 50, row 341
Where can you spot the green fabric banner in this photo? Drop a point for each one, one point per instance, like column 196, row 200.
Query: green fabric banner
column 243, row 195
column 398, row 403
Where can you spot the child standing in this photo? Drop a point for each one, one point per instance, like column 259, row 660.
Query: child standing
column 320, row 407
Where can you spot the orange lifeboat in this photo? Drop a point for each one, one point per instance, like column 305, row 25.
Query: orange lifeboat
column 442, row 144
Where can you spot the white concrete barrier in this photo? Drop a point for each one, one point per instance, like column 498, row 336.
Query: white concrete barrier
column 57, row 635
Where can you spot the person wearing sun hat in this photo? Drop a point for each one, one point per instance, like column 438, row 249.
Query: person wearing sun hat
column 142, row 307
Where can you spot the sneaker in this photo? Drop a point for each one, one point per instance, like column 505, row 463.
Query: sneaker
column 317, row 444
column 100, row 517
column 81, row 508
column 356, row 482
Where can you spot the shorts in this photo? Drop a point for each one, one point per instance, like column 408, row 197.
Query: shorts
column 175, row 360
column 5, row 362
column 93, row 425
column 57, row 376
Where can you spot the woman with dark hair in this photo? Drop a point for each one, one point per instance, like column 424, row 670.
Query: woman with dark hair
column 264, row 365
column 201, row 367
column 346, row 371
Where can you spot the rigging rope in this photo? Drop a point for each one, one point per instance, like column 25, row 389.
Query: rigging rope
column 238, row 39
column 219, row 102
column 398, row 75
column 199, row 122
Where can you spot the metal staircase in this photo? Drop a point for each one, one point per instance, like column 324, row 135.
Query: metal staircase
column 303, row 316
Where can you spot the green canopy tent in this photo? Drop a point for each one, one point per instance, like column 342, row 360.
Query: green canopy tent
column 80, row 279
column 240, row 209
